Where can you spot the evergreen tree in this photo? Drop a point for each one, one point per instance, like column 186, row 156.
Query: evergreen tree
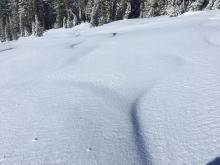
column 95, row 14
column 37, row 28
column 4, row 13
column 14, row 19
column 38, row 10
column 8, row 30
column 25, row 17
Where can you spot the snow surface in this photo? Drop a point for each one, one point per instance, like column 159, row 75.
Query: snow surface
column 142, row 91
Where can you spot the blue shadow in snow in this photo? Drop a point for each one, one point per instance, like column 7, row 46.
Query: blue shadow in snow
column 142, row 148
column 215, row 162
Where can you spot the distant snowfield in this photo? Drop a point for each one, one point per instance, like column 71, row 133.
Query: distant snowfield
column 133, row 92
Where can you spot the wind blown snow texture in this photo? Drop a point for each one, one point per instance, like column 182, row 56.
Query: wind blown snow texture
column 143, row 91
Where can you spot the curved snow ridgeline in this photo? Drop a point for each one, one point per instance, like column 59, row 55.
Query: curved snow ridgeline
column 140, row 92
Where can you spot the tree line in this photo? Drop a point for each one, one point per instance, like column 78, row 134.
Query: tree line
column 32, row 17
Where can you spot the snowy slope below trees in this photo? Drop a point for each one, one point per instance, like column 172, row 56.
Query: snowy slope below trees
column 142, row 91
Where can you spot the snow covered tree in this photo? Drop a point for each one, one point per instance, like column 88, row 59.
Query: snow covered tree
column 95, row 15
column 38, row 22
column 37, row 28
column 8, row 31
column 103, row 11
column 26, row 17
column 4, row 13
column 14, row 19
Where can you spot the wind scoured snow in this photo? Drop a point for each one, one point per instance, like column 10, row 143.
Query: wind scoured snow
column 142, row 91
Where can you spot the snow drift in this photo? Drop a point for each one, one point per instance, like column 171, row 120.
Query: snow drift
column 142, row 91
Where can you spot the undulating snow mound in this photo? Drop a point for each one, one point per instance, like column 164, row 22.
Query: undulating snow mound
column 133, row 92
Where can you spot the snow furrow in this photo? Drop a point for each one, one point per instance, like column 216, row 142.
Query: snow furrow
column 139, row 139
column 3, row 50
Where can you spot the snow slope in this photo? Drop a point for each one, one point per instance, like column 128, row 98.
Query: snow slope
column 133, row 92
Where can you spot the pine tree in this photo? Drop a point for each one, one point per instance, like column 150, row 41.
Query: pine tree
column 133, row 9
column 38, row 10
column 25, row 17
column 58, row 6
column 14, row 19
column 38, row 28
column 89, row 10
column 8, row 31
column 2, row 31
column 4, row 13
column 121, row 9
column 95, row 14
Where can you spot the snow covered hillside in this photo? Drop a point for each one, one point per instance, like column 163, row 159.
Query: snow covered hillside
column 133, row 92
